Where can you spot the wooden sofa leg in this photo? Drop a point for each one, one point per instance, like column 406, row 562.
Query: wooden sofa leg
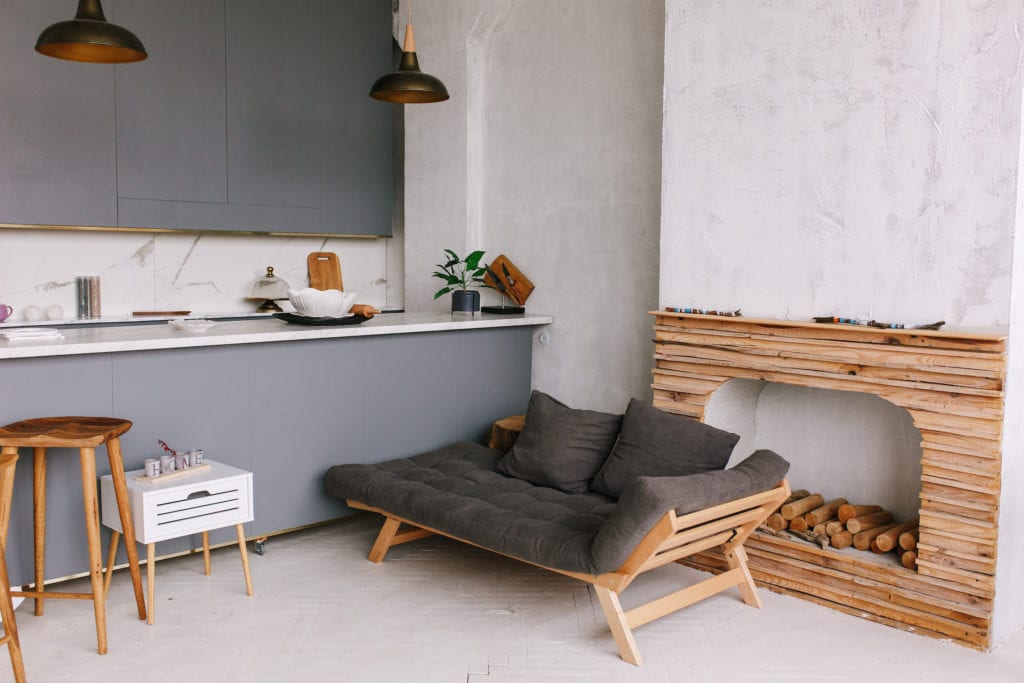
column 737, row 559
column 617, row 622
column 384, row 538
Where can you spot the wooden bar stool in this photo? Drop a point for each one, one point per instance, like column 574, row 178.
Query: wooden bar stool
column 85, row 434
column 10, row 637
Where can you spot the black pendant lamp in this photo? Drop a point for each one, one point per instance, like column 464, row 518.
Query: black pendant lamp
column 89, row 37
column 409, row 85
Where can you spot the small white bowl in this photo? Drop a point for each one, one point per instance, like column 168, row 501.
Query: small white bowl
column 316, row 303
column 191, row 324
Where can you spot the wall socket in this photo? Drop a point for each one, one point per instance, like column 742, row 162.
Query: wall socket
column 544, row 337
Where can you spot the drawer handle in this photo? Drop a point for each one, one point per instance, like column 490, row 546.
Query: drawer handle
column 198, row 494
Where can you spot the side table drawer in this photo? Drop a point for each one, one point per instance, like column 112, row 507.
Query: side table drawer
column 197, row 507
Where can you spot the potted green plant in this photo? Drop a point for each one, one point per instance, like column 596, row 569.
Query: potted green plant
column 459, row 274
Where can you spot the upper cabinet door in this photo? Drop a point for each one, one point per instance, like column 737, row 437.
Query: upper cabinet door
column 171, row 113
column 57, row 164
column 358, row 131
column 273, row 76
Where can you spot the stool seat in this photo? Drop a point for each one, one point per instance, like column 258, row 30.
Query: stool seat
column 63, row 432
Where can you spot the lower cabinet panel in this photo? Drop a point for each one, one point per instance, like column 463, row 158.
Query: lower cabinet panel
column 285, row 411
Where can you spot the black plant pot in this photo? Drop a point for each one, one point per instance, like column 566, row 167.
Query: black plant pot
column 465, row 301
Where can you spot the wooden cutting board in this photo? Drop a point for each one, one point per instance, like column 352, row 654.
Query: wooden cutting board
column 324, row 270
column 503, row 276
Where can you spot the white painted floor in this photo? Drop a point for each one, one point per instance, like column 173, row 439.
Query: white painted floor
column 437, row 610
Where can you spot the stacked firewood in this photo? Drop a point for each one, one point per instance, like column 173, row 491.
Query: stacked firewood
column 839, row 524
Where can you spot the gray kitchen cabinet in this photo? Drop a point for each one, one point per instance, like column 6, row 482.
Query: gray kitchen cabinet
column 358, row 176
column 248, row 116
column 57, row 161
column 190, row 400
column 171, row 113
column 287, row 411
column 273, row 80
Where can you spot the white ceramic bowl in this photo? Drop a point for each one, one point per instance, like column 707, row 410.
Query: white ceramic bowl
column 191, row 324
column 327, row 303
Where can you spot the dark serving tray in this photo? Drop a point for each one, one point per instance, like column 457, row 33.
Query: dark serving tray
column 305, row 320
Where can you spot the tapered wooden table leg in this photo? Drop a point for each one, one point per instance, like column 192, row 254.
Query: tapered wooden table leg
column 124, row 509
column 39, row 520
column 115, row 536
column 92, row 532
column 206, row 553
column 151, row 580
column 245, row 558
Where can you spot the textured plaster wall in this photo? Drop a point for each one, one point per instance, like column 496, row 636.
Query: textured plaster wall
column 549, row 151
column 852, row 157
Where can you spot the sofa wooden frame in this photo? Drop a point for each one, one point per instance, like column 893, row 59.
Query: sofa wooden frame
column 673, row 538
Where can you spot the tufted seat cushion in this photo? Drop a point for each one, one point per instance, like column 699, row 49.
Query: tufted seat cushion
column 456, row 490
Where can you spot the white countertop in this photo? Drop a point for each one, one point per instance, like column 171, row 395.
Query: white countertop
column 145, row 337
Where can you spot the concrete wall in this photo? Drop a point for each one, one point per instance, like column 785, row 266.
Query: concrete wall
column 857, row 158
column 549, row 152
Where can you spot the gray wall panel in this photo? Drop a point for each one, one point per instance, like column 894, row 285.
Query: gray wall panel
column 286, row 411
column 47, row 387
column 190, row 398
column 308, row 414
column 412, row 394
column 497, row 365
column 273, row 76
column 171, row 111
column 228, row 217
column 357, row 177
column 57, row 160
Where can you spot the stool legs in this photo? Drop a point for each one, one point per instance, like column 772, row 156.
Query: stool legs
column 115, row 536
column 39, row 520
column 92, row 532
column 8, row 461
column 124, row 508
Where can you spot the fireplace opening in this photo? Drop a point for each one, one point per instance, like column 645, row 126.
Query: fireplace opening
column 842, row 444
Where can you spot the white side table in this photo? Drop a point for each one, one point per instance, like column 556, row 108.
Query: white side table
column 189, row 503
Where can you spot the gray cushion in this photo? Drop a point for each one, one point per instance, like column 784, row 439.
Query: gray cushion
column 455, row 490
column 654, row 443
column 560, row 447
column 648, row 498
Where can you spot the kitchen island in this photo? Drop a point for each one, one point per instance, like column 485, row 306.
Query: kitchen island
column 283, row 401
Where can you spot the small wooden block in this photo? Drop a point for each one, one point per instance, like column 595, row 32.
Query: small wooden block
column 172, row 475
column 505, row 431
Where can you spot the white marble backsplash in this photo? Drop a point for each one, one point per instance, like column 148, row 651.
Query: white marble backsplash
column 207, row 274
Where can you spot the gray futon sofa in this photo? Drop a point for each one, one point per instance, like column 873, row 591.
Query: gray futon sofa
column 596, row 496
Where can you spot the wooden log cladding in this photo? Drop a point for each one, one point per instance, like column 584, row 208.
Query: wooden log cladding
column 951, row 384
column 825, row 512
column 890, row 539
column 804, row 505
column 898, row 596
column 848, row 512
column 862, row 539
column 869, row 521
